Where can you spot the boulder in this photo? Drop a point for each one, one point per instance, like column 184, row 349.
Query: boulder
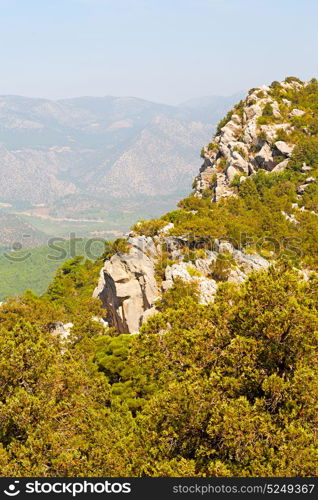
column 236, row 276
column 271, row 130
column 207, row 289
column 264, row 158
column 310, row 180
column 284, row 148
column 305, row 168
column 178, row 271
column 296, row 112
column 238, row 162
column 302, row 188
column 231, row 172
column 222, row 188
column 225, row 247
column 250, row 132
column 203, row 265
column 280, row 166
column 252, row 111
column 143, row 243
column 275, row 108
column 249, row 262
column 60, row 329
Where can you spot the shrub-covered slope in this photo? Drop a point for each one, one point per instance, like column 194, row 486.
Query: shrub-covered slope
column 254, row 203
column 220, row 388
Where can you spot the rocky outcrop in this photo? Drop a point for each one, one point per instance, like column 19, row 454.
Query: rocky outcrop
column 250, row 140
column 129, row 288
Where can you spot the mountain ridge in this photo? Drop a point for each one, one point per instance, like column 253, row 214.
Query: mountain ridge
column 261, row 136
column 96, row 149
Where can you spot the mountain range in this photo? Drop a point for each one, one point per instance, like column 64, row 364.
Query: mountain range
column 75, row 163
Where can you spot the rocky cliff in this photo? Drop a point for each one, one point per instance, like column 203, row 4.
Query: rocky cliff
column 256, row 134
column 127, row 286
column 260, row 133
column 131, row 283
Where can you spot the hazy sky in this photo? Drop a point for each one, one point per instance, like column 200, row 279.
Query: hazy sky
column 162, row 50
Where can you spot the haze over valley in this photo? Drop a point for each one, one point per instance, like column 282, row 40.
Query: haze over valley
column 93, row 165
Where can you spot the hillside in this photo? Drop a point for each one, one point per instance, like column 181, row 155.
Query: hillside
column 261, row 169
column 220, row 376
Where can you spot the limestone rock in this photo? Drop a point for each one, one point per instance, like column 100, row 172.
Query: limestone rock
column 60, row 329
column 305, row 168
column 178, row 271
column 143, row 243
column 236, row 276
column 264, row 158
column 166, row 228
column 284, row 148
column 207, row 289
column 127, row 287
column 302, row 188
column 280, row 166
column 271, row 130
column 249, row 262
column 252, row 111
column 296, row 112
column 231, row 173
column 222, row 189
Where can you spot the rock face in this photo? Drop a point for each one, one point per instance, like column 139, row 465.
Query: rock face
column 127, row 286
column 250, row 140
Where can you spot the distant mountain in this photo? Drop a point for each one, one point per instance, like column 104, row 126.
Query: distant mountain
column 204, row 108
column 83, row 157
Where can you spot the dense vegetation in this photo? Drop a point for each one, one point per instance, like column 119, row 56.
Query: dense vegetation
column 228, row 389
column 225, row 389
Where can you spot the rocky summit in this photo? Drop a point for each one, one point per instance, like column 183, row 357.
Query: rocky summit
column 256, row 134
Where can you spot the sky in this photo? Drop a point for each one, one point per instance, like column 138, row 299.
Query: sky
column 162, row 50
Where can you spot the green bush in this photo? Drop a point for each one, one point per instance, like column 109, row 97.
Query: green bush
column 281, row 135
column 224, row 121
column 175, row 296
column 291, row 79
column 221, row 267
column 193, row 272
column 305, row 152
column 268, row 110
column 149, row 227
column 275, row 85
column 222, row 164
